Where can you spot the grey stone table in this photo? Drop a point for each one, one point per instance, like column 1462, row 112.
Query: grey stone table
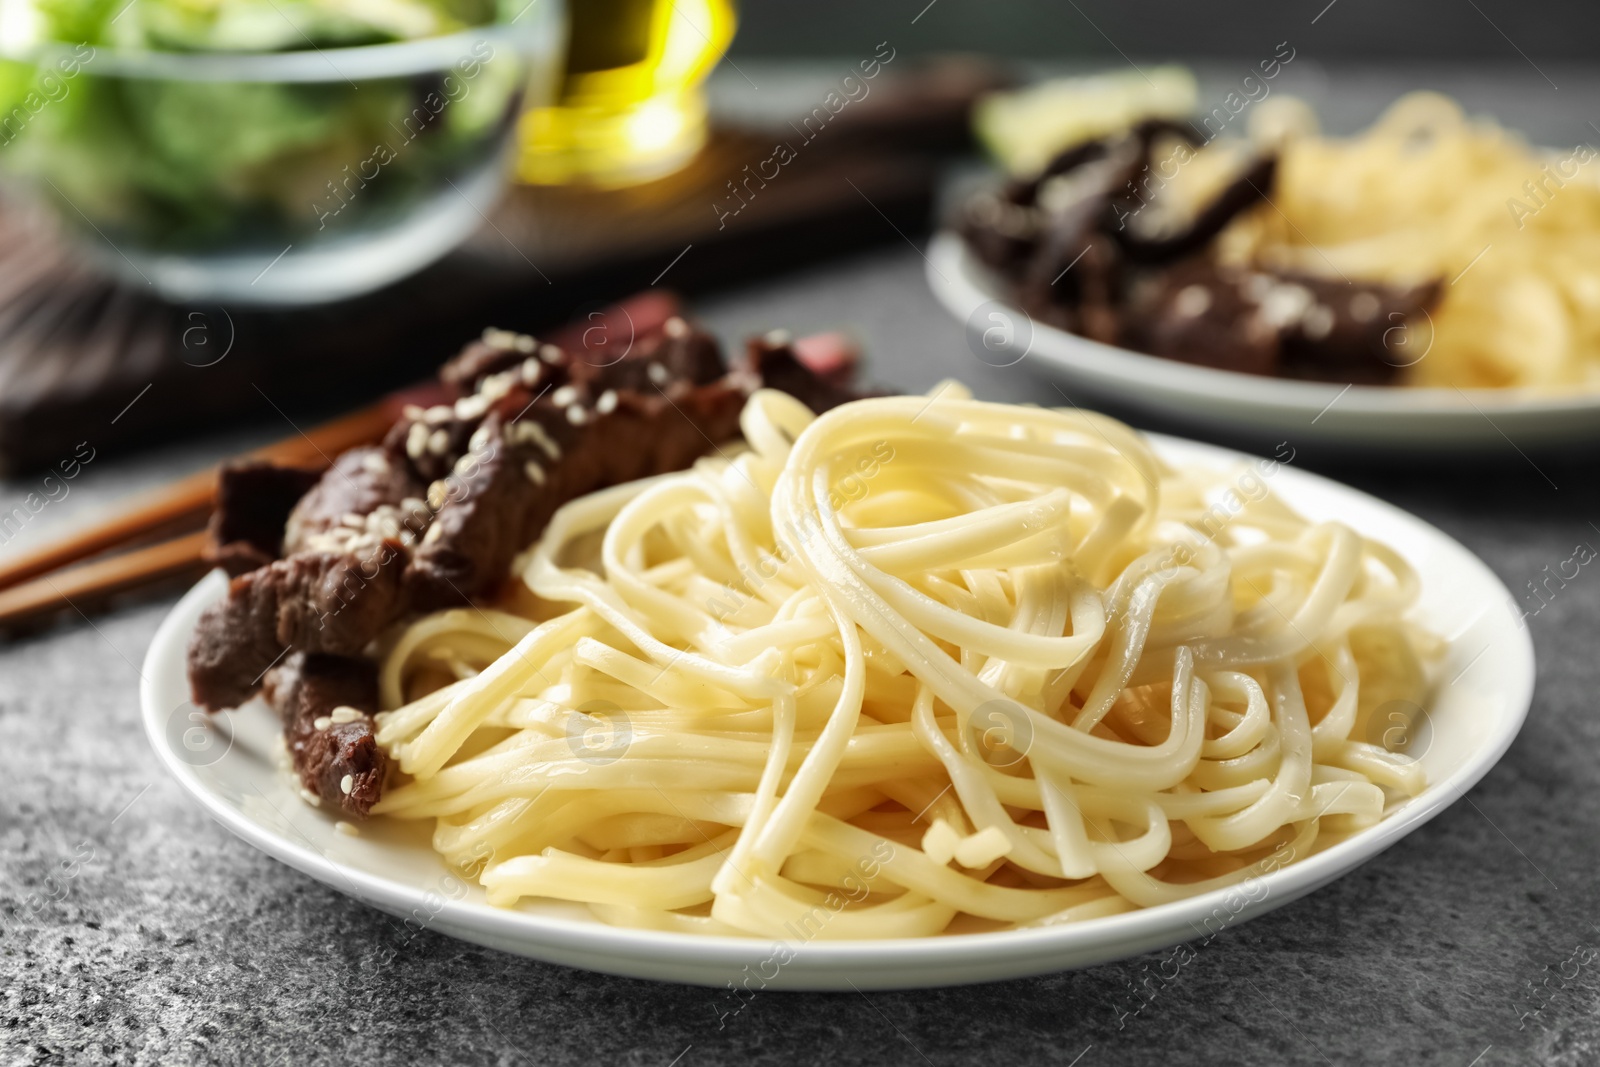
column 133, row 929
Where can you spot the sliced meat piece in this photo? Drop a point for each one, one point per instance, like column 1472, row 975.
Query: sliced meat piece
column 342, row 752
column 525, row 468
column 1198, row 313
column 600, row 338
column 1358, row 332
column 337, row 602
column 233, row 644
column 687, row 354
column 1078, row 285
column 495, row 352
column 1244, row 191
column 1081, row 253
column 1066, row 161
column 479, row 525
column 369, row 494
column 833, row 357
column 1291, row 325
column 312, row 601
column 1001, row 232
column 771, row 362
column 676, row 353
column 326, row 703
column 254, row 499
column 435, row 516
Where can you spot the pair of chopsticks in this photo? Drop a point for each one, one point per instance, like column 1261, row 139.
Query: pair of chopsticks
column 161, row 537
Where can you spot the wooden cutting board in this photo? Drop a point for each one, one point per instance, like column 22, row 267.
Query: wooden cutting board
column 86, row 357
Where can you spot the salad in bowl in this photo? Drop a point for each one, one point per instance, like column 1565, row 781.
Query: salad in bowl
column 268, row 151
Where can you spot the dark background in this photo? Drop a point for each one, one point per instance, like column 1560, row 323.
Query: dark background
column 1349, row 30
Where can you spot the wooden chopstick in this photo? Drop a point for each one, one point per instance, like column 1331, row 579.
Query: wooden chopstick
column 188, row 501
column 89, row 586
column 55, row 576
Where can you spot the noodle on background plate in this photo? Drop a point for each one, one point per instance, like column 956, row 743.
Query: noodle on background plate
column 1427, row 193
column 915, row 666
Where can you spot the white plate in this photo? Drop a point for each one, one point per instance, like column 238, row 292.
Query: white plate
column 228, row 764
column 1370, row 416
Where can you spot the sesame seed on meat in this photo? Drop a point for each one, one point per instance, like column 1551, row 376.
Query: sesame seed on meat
column 434, row 516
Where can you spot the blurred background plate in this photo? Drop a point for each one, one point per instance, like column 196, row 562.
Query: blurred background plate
column 1247, row 405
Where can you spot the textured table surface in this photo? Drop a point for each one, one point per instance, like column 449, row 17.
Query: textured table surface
column 133, row 929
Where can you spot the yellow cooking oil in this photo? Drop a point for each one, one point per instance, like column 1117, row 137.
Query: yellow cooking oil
column 631, row 105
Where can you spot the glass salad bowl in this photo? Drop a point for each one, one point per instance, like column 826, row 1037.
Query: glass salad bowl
column 309, row 170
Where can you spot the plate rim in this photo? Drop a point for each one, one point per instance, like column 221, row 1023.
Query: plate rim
column 947, row 251
column 1057, row 946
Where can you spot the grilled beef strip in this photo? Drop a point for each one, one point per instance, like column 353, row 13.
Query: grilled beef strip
column 253, row 503
column 326, row 704
column 324, row 602
column 1081, row 253
column 1291, row 325
column 773, row 361
column 434, row 516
